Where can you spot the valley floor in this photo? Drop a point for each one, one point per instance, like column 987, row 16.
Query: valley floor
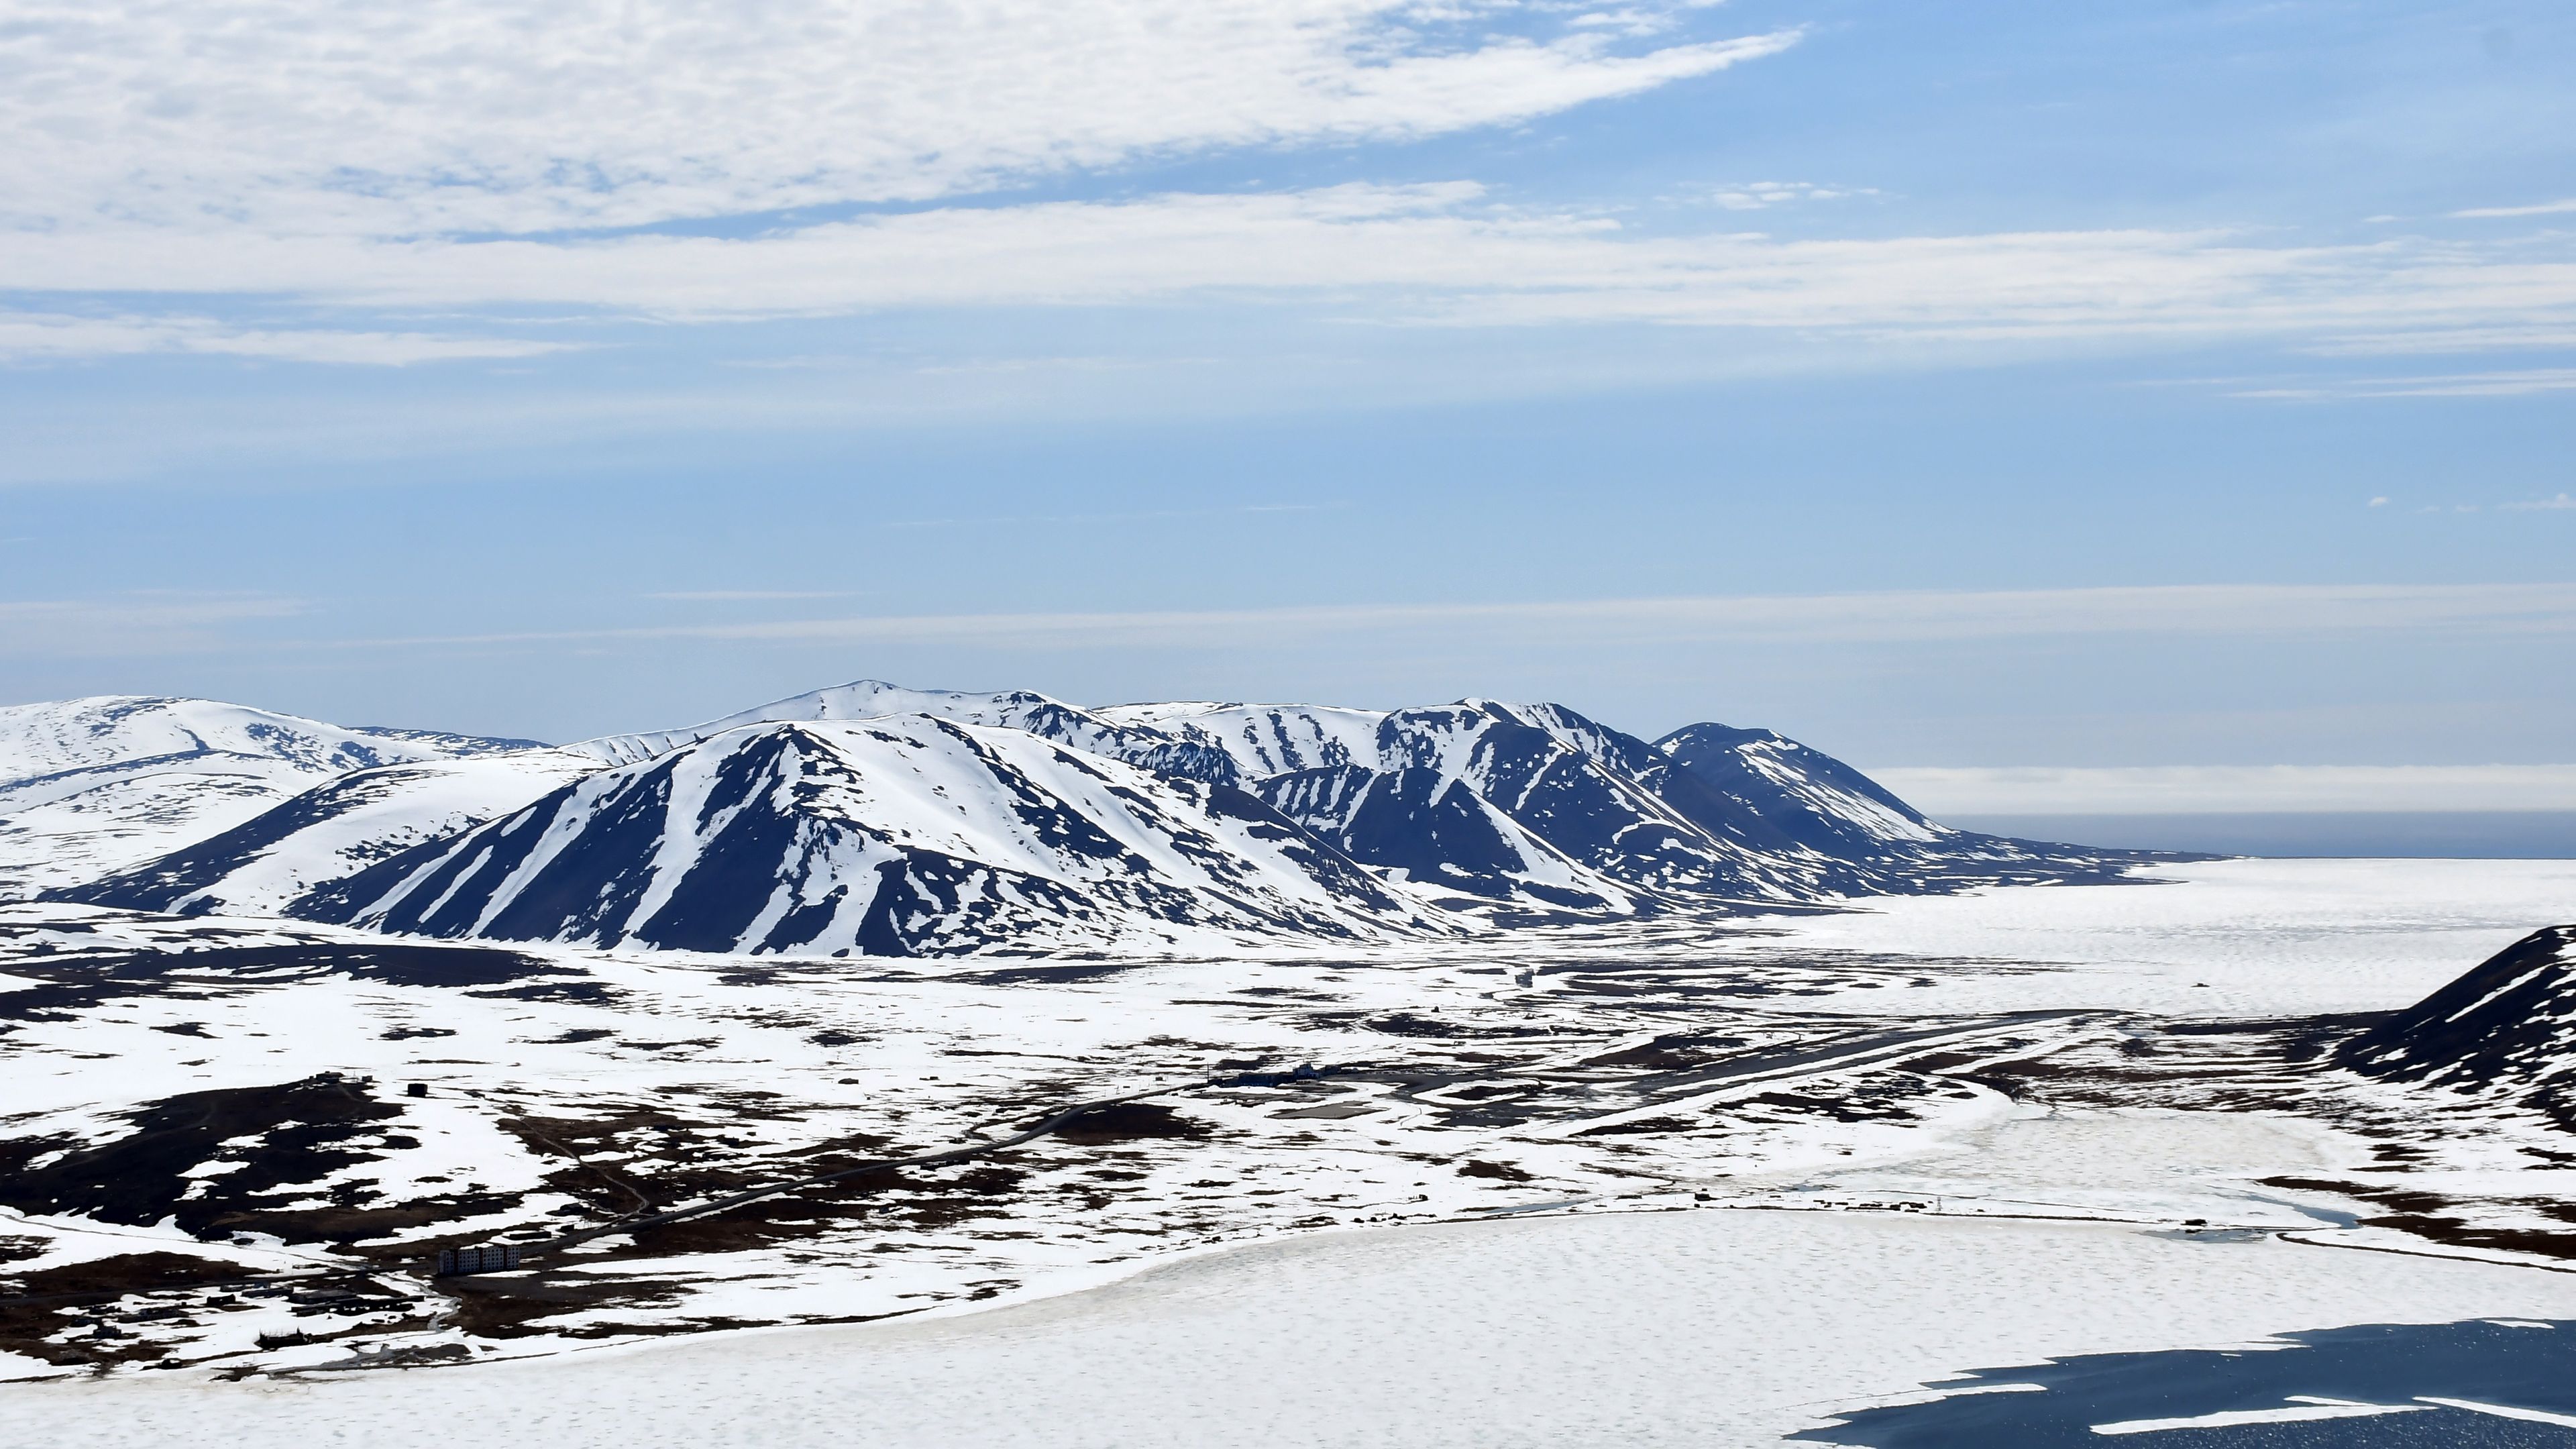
column 1704, row 1182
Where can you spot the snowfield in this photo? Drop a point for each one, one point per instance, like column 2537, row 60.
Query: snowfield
column 1698, row 1330
column 1990, row 1076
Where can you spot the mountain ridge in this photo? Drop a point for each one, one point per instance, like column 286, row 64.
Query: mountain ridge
column 1362, row 824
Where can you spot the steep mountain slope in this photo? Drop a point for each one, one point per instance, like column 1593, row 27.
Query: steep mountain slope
column 2507, row 1027
column 896, row 835
column 1806, row 795
column 1023, row 710
column 92, row 786
column 333, row 831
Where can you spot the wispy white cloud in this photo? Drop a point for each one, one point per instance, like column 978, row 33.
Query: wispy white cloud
column 471, row 157
column 2546, row 208
column 441, row 116
column 2518, row 383
column 1858, row 618
column 2562, row 501
column 1434, row 254
column 133, row 624
column 37, row 336
column 2197, row 789
column 1132, row 515
column 746, row 596
column 1763, row 195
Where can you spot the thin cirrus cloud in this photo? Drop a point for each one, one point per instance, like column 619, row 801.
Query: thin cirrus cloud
column 1763, row 195
column 749, row 596
column 36, row 335
column 2546, row 208
column 1855, row 618
column 131, row 625
column 1429, row 254
column 2519, row 382
column 2231, row 789
column 467, row 115
column 478, row 160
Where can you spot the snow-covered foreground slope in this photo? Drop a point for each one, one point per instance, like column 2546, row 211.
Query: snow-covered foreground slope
column 93, row 786
column 893, row 836
column 1697, row 1330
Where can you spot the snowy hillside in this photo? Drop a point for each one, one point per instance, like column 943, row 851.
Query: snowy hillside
column 108, row 730
column 93, row 786
column 333, row 831
column 900, row 835
column 2507, row 1027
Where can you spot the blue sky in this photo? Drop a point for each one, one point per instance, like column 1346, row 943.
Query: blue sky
column 1985, row 384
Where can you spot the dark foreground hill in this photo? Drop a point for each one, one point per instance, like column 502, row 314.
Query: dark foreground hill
column 2507, row 1028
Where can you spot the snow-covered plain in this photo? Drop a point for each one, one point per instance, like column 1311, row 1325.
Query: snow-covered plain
column 2245, row 938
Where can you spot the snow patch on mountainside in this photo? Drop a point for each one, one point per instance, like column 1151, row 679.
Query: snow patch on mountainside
column 1266, row 739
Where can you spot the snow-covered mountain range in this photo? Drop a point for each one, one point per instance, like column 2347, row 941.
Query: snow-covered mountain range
column 874, row 819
